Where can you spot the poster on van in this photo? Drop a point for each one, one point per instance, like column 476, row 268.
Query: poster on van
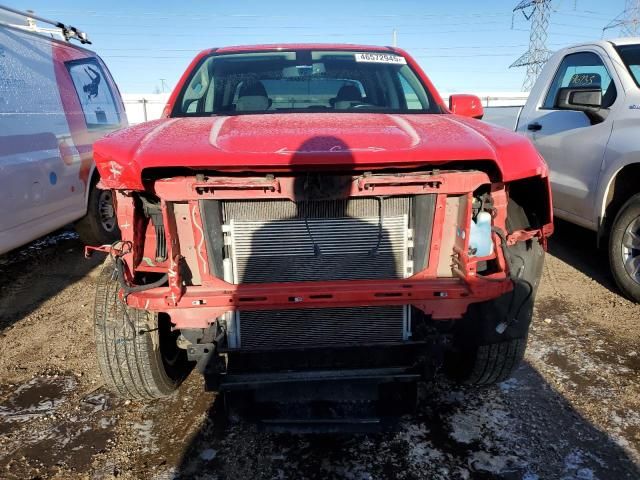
column 94, row 93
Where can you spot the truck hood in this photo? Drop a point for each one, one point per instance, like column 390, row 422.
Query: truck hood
column 298, row 141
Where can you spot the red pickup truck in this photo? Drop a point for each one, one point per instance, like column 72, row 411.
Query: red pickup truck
column 315, row 215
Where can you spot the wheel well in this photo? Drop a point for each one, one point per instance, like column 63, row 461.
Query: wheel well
column 532, row 196
column 623, row 187
column 95, row 176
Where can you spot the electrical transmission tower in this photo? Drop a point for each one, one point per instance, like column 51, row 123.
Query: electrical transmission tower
column 538, row 12
column 628, row 22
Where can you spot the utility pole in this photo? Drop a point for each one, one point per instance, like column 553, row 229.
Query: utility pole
column 395, row 38
column 538, row 12
column 628, row 22
column 163, row 83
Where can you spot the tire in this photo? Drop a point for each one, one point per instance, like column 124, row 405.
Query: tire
column 624, row 249
column 137, row 352
column 481, row 355
column 99, row 226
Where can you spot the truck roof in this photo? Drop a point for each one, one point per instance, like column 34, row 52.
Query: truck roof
column 606, row 43
column 625, row 40
column 302, row 46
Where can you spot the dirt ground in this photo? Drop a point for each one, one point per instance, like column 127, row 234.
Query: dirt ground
column 572, row 410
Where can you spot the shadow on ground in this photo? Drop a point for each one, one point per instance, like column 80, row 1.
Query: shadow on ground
column 577, row 247
column 520, row 429
column 32, row 274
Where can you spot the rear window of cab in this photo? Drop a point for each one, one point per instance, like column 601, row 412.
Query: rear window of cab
column 304, row 80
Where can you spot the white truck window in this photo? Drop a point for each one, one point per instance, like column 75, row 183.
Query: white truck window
column 93, row 91
column 630, row 55
column 584, row 69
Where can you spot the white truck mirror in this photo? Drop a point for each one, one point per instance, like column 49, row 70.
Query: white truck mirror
column 582, row 99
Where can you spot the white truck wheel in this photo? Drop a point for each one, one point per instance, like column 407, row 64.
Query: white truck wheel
column 624, row 248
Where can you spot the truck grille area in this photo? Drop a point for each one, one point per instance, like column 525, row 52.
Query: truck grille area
column 284, row 241
column 313, row 240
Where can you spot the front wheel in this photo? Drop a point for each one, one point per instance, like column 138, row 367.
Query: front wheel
column 481, row 355
column 137, row 351
column 624, row 249
column 490, row 363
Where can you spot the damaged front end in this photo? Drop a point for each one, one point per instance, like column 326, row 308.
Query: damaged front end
column 326, row 276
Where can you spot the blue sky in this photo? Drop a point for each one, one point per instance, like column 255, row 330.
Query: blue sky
column 463, row 45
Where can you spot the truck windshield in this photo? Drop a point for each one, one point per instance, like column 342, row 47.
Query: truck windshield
column 304, row 80
column 630, row 55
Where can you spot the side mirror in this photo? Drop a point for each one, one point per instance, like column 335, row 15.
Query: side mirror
column 587, row 100
column 581, row 99
column 466, row 105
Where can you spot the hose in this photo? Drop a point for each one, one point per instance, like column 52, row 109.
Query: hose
column 128, row 290
column 515, row 278
column 374, row 251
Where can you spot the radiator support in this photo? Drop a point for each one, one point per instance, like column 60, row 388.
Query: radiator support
column 285, row 241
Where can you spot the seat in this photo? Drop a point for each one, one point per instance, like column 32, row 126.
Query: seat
column 347, row 97
column 252, row 97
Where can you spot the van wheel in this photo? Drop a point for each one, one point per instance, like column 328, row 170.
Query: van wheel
column 480, row 354
column 99, row 226
column 137, row 351
column 624, row 248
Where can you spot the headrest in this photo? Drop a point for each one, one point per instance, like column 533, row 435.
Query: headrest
column 348, row 93
column 252, row 88
column 252, row 97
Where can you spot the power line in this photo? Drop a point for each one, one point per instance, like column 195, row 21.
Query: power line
column 627, row 22
column 538, row 54
column 412, row 49
column 298, row 26
column 577, row 14
column 188, row 16
column 305, row 35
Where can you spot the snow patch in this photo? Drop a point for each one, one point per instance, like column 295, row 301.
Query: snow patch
column 574, row 469
column 466, row 427
column 208, row 454
column 39, row 397
column 144, row 432
column 496, row 464
column 509, row 385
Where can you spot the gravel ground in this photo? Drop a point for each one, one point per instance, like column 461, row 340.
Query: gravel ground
column 571, row 411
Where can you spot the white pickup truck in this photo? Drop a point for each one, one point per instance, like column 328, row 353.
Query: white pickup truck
column 583, row 115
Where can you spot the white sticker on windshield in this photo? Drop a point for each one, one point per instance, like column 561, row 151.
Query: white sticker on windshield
column 380, row 58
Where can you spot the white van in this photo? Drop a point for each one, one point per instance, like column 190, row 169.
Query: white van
column 56, row 99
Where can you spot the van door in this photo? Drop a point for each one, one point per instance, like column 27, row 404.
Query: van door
column 569, row 141
column 35, row 197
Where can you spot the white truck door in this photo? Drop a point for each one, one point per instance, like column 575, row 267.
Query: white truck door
column 571, row 143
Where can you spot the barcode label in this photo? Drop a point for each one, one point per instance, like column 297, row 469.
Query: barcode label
column 380, row 58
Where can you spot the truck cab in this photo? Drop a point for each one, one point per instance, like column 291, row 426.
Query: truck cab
column 582, row 115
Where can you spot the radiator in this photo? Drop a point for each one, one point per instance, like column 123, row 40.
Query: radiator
column 320, row 327
column 285, row 241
